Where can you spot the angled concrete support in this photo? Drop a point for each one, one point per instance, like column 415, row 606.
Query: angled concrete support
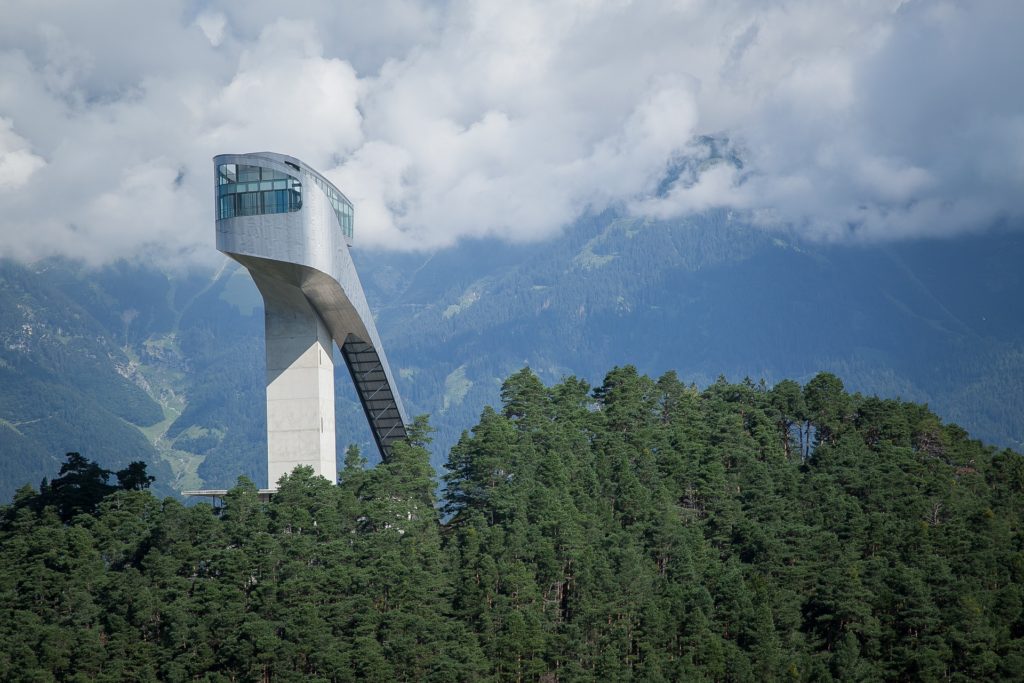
column 292, row 229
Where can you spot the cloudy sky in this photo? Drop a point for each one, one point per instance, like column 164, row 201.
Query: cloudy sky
column 857, row 120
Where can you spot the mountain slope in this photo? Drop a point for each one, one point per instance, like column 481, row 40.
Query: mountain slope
column 940, row 322
column 65, row 384
column 710, row 296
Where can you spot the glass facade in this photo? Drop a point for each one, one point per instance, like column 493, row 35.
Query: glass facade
column 342, row 207
column 253, row 190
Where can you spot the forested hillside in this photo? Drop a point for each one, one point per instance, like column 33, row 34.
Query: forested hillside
column 643, row 530
column 66, row 382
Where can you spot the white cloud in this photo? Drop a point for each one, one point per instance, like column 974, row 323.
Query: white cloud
column 286, row 96
column 861, row 121
column 17, row 162
column 213, row 25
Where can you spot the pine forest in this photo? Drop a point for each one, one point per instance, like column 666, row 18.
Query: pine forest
column 640, row 530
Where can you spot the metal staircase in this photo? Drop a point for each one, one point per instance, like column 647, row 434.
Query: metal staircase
column 375, row 393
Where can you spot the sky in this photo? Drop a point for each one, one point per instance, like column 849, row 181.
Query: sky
column 853, row 121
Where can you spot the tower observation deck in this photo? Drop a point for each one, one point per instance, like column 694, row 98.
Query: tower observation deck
column 292, row 229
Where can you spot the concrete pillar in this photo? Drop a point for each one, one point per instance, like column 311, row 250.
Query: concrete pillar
column 300, row 384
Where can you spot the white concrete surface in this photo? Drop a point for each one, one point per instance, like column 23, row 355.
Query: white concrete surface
column 300, row 387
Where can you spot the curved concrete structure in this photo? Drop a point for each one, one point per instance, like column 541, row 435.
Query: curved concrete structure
column 292, row 229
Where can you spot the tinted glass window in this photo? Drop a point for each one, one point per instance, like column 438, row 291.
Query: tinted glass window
column 244, row 190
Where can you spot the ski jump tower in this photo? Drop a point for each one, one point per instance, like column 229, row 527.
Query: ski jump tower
column 292, row 229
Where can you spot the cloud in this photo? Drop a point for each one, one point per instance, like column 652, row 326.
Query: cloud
column 843, row 121
column 129, row 174
column 212, row 24
column 17, row 162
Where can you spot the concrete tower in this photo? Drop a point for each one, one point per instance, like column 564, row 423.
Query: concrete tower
column 292, row 229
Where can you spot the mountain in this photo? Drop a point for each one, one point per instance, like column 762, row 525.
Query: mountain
column 67, row 380
column 939, row 322
column 128, row 362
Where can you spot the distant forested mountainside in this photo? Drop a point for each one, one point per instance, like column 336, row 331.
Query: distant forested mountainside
column 66, row 381
column 129, row 363
column 939, row 322
column 644, row 530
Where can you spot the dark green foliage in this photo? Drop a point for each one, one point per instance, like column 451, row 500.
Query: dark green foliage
column 81, row 487
column 642, row 531
column 134, row 477
column 654, row 532
column 325, row 583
